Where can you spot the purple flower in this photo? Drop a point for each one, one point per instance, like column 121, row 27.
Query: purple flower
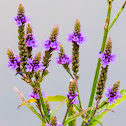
column 79, row 39
column 106, row 58
column 48, row 44
column 42, row 67
column 29, row 61
column 31, row 41
column 64, row 59
column 34, row 94
column 29, row 68
column 58, row 124
column 112, row 95
column 34, row 65
column 36, row 68
column 72, row 96
column 14, row 63
column 20, row 20
column 75, row 101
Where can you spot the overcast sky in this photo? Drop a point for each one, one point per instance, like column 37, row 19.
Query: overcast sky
column 44, row 15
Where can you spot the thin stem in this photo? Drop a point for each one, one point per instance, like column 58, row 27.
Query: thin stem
column 79, row 97
column 66, row 113
column 102, row 49
column 95, row 108
column 118, row 14
column 70, row 112
column 43, row 105
column 39, row 107
column 102, row 105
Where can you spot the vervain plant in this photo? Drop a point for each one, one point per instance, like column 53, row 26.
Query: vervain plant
column 33, row 70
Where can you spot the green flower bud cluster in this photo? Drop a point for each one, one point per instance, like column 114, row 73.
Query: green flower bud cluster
column 75, row 50
column 21, row 44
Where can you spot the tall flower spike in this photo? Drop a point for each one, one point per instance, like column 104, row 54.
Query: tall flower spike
column 64, row 59
column 21, row 44
column 14, row 61
column 77, row 38
column 21, row 19
column 50, row 45
column 72, row 94
column 104, row 68
column 113, row 93
column 107, row 57
column 30, row 40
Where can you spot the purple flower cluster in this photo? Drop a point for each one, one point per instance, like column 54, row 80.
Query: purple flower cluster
column 20, row 20
column 14, row 63
column 64, row 59
column 33, row 65
column 112, row 95
column 49, row 44
column 106, row 58
column 30, row 41
column 34, row 94
column 72, row 97
column 58, row 124
column 79, row 39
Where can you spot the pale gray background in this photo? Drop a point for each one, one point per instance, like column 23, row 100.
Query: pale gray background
column 44, row 15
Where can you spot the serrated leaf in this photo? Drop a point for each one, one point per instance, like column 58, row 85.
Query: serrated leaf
column 73, row 117
column 54, row 111
column 27, row 104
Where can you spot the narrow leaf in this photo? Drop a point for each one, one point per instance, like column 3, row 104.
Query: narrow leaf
column 107, row 106
column 56, row 109
column 71, row 118
column 27, row 104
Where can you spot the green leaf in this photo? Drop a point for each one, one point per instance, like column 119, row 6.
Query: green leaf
column 43, row 124
column 71, row 118
column 96, row 120
column 107, row 106
column 54, row 111
column 27, row 104
column 57, row 98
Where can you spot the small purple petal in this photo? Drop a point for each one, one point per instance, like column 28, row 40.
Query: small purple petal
column 28, row 68
column 29, row 61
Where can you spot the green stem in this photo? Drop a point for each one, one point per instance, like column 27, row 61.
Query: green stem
column 66, row 113
column 43, row 105
column 70, row 112
column 116, row 17
column 79, row 97
column 102, row 49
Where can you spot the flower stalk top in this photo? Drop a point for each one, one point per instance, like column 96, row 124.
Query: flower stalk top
column 107, row 57
column 113, row 93
column 77, row 37
column 63, row 58
column 21, row 18
column 52, row 43
column 30, row 39
column 72, row 94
